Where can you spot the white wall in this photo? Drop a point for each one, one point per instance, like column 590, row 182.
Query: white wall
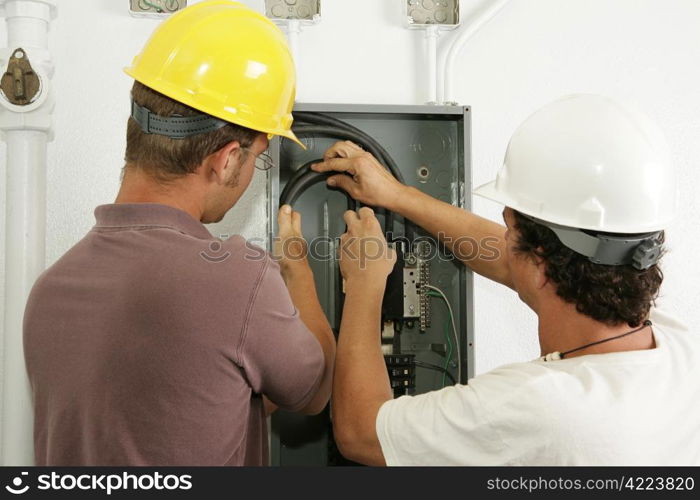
column 641, row 51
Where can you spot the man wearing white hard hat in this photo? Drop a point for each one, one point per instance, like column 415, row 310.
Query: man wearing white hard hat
column 588, row 189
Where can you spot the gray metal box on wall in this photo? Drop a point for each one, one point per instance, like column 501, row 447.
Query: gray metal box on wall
column 431, row 146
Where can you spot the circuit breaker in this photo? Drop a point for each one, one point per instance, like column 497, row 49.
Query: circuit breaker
column 427, row 321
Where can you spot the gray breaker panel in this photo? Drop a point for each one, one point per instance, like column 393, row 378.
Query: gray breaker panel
column 417, row 137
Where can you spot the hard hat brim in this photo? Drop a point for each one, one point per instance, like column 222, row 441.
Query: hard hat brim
column 292, row 137
column 490, row 192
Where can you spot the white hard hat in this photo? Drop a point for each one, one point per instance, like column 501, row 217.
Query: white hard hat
column 586, row 162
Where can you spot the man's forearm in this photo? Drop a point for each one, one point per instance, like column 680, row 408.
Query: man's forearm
column 477, row 242
column 302, row 289
column 300, row 282
column 361, row 383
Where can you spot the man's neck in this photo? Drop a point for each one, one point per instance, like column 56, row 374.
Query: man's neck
column 139, row 187
column 562, row 328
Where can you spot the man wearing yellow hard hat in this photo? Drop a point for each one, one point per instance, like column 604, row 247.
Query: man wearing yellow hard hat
column 150, row 342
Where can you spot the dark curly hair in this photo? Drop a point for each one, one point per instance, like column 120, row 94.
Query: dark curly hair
column 610, row 294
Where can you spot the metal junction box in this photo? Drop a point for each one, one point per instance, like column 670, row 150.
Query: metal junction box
column 431, row 146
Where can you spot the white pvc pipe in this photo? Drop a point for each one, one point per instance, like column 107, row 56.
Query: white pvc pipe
column 27, row 130
column 27, row 23
column 25, row 235
column 431, row 37
column 28, row 31
column 488, row 14
column 293, row 31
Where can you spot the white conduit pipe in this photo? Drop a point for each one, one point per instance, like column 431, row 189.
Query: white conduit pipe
column 488, row 14
column 431, row 35
column 27, row 129
column 293, row 31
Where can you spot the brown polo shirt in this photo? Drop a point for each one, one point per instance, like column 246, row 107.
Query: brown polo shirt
column 152, row 343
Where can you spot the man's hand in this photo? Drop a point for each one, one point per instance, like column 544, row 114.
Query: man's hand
column 364, row 252
column 290, row 247
column 290, row 250
column 364, row 178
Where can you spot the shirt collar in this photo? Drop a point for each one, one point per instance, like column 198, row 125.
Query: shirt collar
column 131, row 215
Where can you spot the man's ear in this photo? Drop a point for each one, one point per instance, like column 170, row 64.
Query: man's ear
column 219, row 163
column 541, row 279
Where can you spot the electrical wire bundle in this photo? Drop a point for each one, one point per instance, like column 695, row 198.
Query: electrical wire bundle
column 320, row 125
column 303, row 179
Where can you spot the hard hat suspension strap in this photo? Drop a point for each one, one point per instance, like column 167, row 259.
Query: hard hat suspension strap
column 641, row 251
column 175, row 127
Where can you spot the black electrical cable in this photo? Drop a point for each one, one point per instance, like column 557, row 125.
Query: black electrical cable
column 337, row 133
column 303, row 179
column 301, row 171
column 321, row 119
column 303, row 183
column 295, row 177
column 369, row 145
column 382, row 156
column 327, row 131
column 431, row 366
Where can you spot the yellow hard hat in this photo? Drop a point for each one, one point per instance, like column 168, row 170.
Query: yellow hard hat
column 225, row 60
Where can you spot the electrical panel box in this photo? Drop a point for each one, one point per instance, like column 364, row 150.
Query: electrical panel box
column 422, row 13
column 430, row 145
column 305, row 10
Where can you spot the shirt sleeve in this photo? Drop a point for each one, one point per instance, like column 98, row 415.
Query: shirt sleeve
column 494, row 420
column 436, row 428
column 281, row 358
column 664, row 319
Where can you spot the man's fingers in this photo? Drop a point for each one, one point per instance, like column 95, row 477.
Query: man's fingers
column 350, row 149
column 338, row 150
column 336, row 165
column 342, row 181
column 296, row 223
column 350, row 217
column 334, row 151
column 366, row 212
column 342, row 149
column 284, row 217
column 368, row 218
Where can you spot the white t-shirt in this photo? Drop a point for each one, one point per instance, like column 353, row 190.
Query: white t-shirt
column 623, row 408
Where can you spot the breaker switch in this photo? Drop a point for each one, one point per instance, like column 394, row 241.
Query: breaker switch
column 402, row 373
